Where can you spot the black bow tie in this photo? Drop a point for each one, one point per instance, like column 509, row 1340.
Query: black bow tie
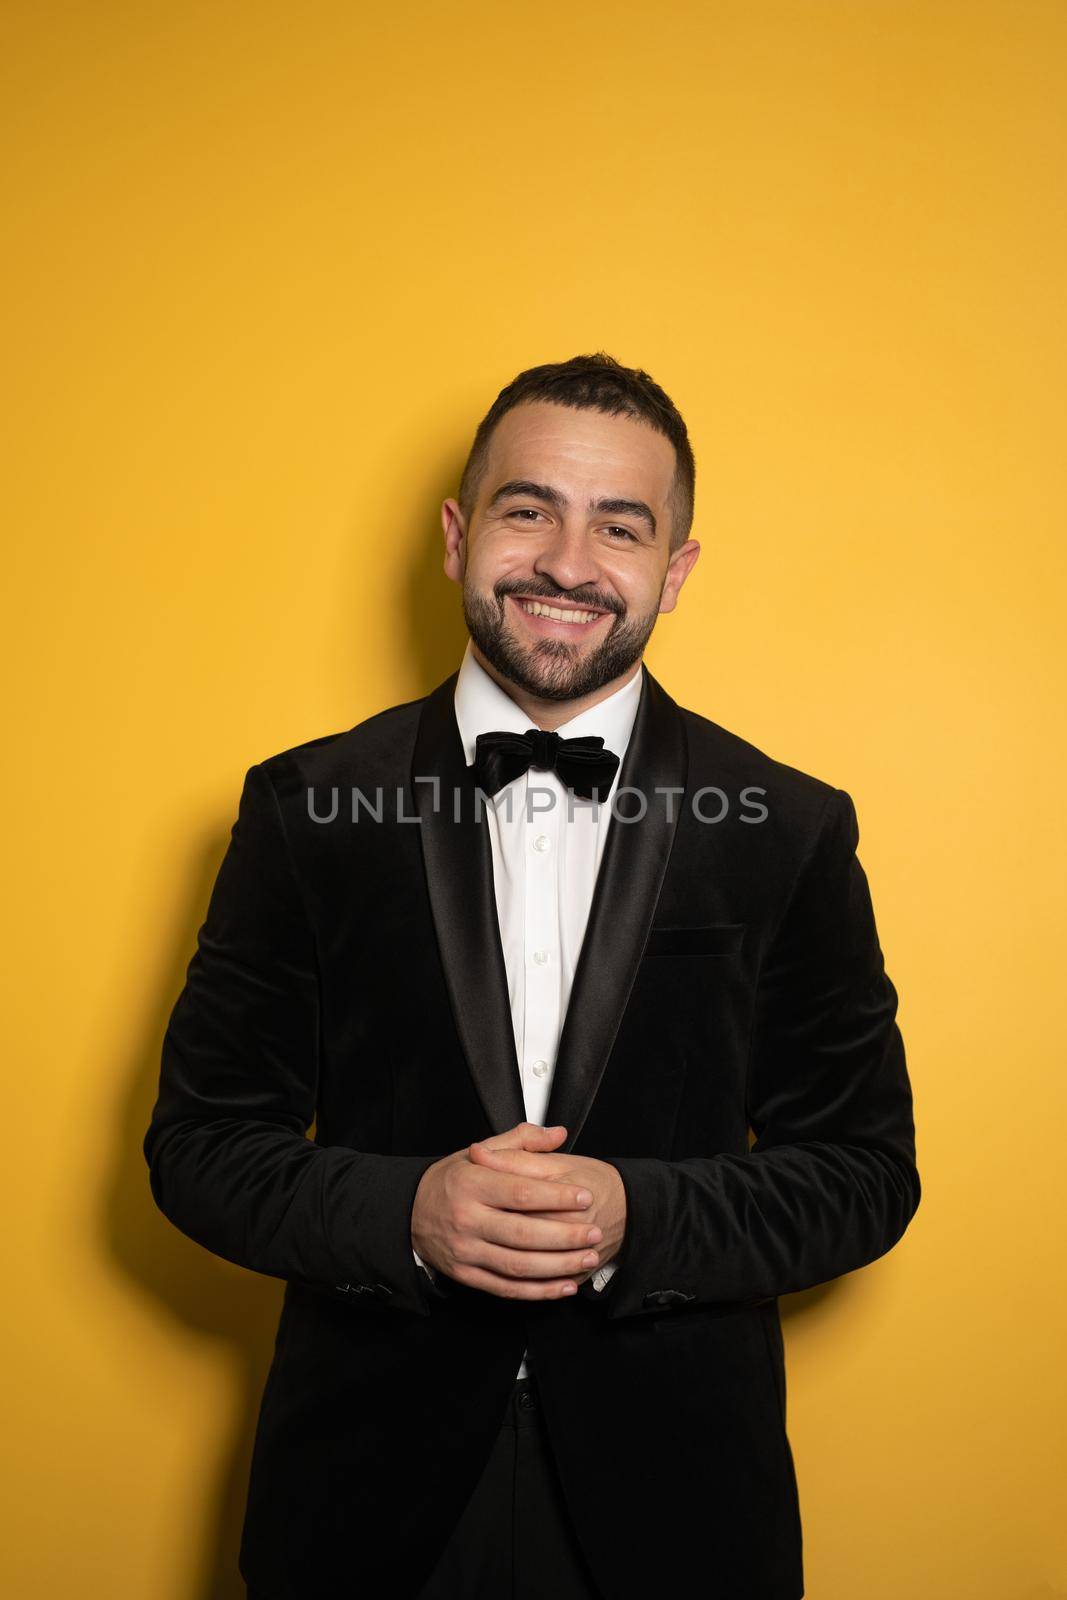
column 582, row 764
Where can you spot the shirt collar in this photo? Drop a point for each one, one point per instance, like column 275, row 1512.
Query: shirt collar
column 482, row 706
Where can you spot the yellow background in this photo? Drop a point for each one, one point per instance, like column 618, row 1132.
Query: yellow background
column 266, row 267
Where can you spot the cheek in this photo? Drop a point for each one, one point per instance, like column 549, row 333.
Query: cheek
column 499, row 554
column 637, row 588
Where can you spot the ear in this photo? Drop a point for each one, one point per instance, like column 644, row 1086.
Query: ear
column 455, row 540
column 679, row 567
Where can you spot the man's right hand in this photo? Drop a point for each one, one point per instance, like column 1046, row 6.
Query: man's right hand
column 468, row 1221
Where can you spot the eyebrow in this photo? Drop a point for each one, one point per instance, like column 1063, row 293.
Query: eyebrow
column 522, row 487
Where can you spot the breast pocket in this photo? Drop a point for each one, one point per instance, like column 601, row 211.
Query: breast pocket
column 712, row 939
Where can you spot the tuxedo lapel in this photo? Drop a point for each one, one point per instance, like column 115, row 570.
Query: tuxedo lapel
column 624, row 900
column 458, row 860
column 457, row 856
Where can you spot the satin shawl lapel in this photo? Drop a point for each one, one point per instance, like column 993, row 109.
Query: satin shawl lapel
column 457, row 855
column 458, row 858
column 624, row 899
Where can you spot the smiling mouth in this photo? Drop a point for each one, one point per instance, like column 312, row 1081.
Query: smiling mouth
column 568, row 616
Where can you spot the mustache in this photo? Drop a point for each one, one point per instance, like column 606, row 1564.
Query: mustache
column 575, row 600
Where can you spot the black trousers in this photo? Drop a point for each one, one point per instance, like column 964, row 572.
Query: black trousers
column 515, row 1540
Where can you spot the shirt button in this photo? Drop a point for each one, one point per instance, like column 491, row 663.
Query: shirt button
column 542, row 842
column 541, row 957
column 540, row 1068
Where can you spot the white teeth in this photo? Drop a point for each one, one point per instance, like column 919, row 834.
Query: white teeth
column 536, row 609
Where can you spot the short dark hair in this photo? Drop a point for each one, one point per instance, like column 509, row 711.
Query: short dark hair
column 593, row 383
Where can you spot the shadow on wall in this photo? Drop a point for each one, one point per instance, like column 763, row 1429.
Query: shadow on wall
column 432, row 603
column 200, row 1293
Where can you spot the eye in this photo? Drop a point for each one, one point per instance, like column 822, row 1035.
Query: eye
column 529, row 511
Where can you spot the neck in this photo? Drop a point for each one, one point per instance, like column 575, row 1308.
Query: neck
column 550, row 714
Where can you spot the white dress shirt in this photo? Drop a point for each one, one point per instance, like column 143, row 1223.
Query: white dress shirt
column 547, row 845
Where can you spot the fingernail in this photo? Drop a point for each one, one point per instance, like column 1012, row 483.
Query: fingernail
column 584, row 1197
column 591, row 1259
column 594, row 1236
column 570, row 1288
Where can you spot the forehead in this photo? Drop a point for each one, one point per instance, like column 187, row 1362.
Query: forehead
column 580, row 450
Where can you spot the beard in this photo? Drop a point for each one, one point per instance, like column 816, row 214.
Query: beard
column 552, row 669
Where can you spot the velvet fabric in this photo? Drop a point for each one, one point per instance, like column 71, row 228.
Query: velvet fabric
column 349, row 973
column 581, row 762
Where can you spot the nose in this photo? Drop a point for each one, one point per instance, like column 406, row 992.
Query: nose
column 566, row 561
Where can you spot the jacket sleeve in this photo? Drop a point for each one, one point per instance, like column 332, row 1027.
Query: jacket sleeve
column 229, row 1160
column 830, row 1182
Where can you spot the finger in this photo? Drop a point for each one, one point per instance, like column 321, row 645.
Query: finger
column 516, row 1231
column 565, row 1216
column 518, row 1288
column 511, row 1157
column 518, row 1193
column 526, row 1135
column 521, row 1162
column 529, row 1265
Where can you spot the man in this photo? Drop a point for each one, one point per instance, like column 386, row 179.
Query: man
column 602, row 1057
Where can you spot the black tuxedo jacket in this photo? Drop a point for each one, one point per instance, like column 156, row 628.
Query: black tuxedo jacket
column 350, row 975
